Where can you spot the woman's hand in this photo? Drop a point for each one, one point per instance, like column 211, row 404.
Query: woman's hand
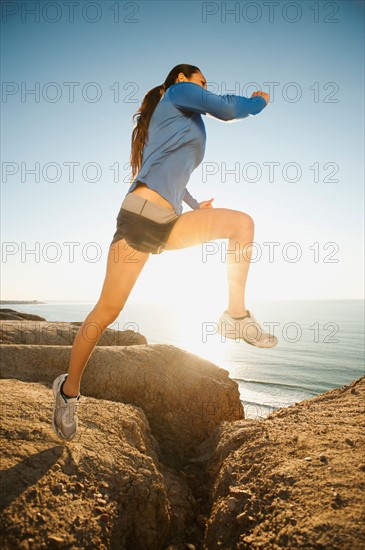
column 262, row 94
column 206, row 204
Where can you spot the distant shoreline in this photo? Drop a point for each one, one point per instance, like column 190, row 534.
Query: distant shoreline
column 21, row 302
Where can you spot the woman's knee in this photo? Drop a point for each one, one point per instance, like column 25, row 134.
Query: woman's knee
column 242, row 223
column 106, row 313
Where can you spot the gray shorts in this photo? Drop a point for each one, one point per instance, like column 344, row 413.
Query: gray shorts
column 144, row 224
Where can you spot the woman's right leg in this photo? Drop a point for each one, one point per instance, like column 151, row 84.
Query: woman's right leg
column 124, row 264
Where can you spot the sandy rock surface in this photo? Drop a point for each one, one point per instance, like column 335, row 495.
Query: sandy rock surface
column 106, row 489
column 165, row 460
column 293, row 480
column 183, row 396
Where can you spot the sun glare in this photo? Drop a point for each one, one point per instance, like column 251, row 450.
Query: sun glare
column 193, row 286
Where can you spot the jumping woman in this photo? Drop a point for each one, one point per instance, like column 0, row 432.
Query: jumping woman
column 168, row 143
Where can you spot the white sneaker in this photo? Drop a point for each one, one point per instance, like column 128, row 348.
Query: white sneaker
column 64, row 418
column 247, row 329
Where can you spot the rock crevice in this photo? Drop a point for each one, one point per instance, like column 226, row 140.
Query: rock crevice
column 164, row 458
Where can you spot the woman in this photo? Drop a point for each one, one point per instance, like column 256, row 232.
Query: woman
column 168, row 143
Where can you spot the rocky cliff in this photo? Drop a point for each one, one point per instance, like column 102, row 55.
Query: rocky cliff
column 164, row 458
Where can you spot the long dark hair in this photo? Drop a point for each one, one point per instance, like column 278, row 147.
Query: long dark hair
column 144, row 113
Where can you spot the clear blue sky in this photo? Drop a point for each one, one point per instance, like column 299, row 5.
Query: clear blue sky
column 313, row 129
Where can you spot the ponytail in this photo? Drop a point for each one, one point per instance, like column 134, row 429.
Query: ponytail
column 145, row 111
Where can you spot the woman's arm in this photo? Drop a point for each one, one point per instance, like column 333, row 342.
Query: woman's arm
column 194, row 204
column 190, row 201
column 192, row 97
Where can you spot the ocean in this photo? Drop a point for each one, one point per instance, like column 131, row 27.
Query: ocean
column 321, row 344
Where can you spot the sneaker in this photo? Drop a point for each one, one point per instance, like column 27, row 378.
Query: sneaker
column 64, row 418
column 247, row 329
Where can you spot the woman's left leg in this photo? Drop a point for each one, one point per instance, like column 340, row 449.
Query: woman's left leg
column 207, row 224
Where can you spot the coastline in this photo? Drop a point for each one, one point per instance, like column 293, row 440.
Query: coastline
column 8, row 302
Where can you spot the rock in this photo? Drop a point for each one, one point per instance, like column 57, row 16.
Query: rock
column 168, row 458
column 244, row 519
column 9, row 314
column 40, row 518
column 32, row 494
column 50, row 333
column 291, row 505
column 117, row 452
column 183, row 396
column 241, row 518
column 78, row 487
column 58, row 489
column 54, row 541
column 240, row 492
column 12, row 317
column 232, row 504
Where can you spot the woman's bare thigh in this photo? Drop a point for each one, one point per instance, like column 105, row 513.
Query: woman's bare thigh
column 207, row 224
column 124, row 264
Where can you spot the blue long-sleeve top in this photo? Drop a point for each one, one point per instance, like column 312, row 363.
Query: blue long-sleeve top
column 176, row 139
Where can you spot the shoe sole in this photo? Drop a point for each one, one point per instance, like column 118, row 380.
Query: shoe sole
column 55, row 429
column 256, row 345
